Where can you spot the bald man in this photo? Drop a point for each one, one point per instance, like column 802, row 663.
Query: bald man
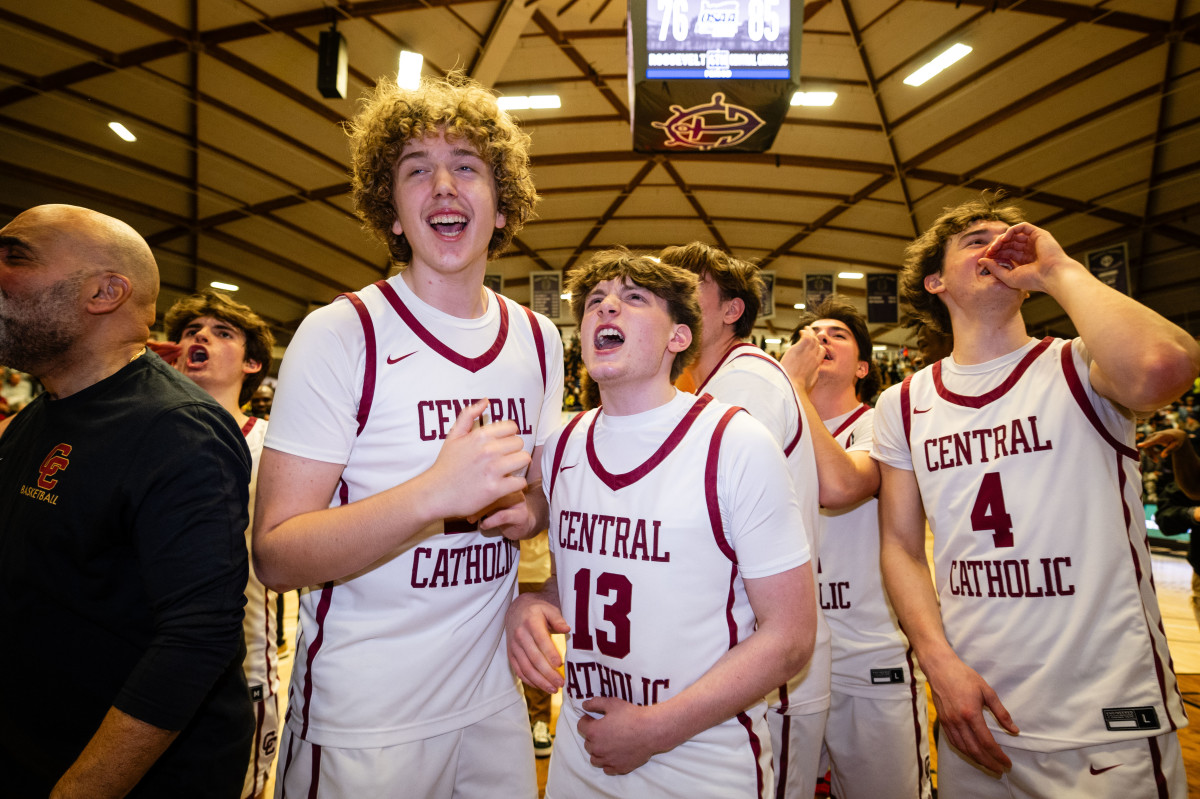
column 123, row 493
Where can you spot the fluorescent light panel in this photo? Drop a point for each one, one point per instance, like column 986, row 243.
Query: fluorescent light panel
column 122, row 131
column 879, row 348
column 821, row 99
column 939, row 63
column 223, row 286
column 773, row 341
column 850, row 275
column 520, row 103
column 408, row 74
column 799, row 306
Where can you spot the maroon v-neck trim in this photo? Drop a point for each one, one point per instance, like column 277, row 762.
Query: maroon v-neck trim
column 432, row 341
column 997, row 392
column 619, row 481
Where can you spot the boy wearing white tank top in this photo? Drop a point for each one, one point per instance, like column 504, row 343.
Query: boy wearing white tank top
column 1047, row 659
column 681, row 566
column 380, row 494
column 877, row 735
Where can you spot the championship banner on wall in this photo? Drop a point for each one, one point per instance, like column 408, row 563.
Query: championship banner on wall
column 1111, row 266
column 882, row 306
column 766, row 301
column 712, row 75
column 545, row 294
column 494, row 281
column 817, row 289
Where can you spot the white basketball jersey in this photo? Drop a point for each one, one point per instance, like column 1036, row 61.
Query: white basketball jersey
column 748, row 377
column 1032, row 487
column 650, row 578
column 411, row 646
column 871, row 656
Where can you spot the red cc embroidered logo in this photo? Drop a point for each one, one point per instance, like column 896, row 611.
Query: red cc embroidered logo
column 55, row 462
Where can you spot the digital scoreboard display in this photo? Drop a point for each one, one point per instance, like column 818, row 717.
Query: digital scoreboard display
column 718, row 39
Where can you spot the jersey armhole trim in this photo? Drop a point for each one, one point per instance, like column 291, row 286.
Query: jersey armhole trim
column 1075, row 383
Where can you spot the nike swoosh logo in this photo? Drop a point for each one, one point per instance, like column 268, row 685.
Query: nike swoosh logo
column 392, row 360
column 1095, row 770
column 927, row 410
column 562, row 469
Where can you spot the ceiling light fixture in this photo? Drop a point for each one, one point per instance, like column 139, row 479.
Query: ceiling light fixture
column 408, row 74
column 850, row 275
column 954, row 53
column 799, row 306
column 814, row 99
column 520, row 103
column 223, row 286
column 122, row 131
column 773, row 341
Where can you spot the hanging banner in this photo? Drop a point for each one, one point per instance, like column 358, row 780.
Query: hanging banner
column 494, row 281
column 1110, row 265
column 545, row 294
column 767, row 300
column 711, row 75
column 882, row 304
column 817, row 289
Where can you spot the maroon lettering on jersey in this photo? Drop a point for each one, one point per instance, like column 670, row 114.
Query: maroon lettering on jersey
column 833, row 595
column 586, row 679
column 1011, row 578
column 1018, row 437
column 467, row 565
column 632, row 539
column 436, row 417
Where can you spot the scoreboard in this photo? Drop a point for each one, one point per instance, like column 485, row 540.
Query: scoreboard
column 728, row 39
column 711, row 75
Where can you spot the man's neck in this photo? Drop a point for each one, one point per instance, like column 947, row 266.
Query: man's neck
column 459, row 294
column 981, row 339
column 711, row 356
column 77, row 370
column 832, row 401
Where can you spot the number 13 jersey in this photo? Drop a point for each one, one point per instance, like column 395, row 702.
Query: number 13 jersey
column 1031, row 485
column 655, row 519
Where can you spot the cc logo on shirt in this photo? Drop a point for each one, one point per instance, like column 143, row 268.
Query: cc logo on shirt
column 55, row 462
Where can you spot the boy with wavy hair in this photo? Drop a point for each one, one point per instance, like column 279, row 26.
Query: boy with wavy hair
column 681, row 565
column 383, row 498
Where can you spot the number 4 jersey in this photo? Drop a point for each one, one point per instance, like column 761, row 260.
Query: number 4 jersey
column 1031, row 484
column 655, row 520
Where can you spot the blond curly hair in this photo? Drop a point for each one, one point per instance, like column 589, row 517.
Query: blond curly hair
column 462, row 109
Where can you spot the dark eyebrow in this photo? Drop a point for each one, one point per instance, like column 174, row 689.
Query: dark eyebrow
column 12, row 241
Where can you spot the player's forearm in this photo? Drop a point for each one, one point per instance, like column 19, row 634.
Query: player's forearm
column 326, row 544
column 1146, row 360
column 909, row 586
column 843, row 478
column 115, row 759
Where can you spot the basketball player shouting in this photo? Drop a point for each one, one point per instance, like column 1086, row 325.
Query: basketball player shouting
column 737, row 372
column 681, row 562
column 1021, row 453
column 375, row 467
column 877, row 735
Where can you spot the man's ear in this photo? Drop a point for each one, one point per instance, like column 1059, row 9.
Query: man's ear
column 934, row 284
column 681, row 339
column 251, row 366
column 862, row 369
column 733, row 310
column 109, row 292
